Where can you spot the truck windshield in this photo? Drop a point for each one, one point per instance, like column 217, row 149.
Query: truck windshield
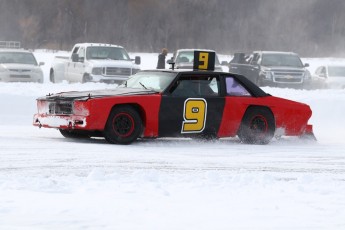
column 18, row 57
column 111, row 53
column 281, row 60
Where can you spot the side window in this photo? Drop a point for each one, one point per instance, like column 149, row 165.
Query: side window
column 318, row 70
column 234, row 88
column 323, row 70
column 81, row 53
column 75, row 50
column 256, row 59
column 196, row 86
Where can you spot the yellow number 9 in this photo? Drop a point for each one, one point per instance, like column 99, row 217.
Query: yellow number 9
column 203, row 57
column 194, row 115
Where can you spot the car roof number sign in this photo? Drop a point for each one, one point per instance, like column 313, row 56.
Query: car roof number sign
column 204, row 60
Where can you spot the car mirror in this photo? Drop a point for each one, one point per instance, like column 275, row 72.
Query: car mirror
column 306, row 65
column 41, row 63
column 137, row 60
column 169, row 61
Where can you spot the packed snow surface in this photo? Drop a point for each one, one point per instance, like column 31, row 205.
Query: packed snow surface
column 50, row 182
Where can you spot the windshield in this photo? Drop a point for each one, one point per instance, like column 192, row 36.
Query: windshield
column 102, row 52
column 18, row 57
column 281, row 60
column 156, row 81
column 336, row 71
column 188, row 57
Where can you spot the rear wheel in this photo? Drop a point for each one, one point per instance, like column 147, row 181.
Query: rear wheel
column 124, row 125
column 52, row 77
column 259, row 81
column 257, row 126
column 86, row 78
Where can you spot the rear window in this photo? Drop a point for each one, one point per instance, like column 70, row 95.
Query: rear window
column 234, row 88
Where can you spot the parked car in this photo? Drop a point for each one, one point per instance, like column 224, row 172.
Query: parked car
column 19, row 65
column 94, row 62
column 271, row 68
column 329, row 76
column 184, row 59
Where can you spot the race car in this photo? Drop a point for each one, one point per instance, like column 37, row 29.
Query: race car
column 175, row 103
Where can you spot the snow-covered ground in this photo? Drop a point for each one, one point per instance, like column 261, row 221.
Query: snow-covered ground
column 49, row 182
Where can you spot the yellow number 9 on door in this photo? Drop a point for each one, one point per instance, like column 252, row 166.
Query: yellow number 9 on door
column 194, row 115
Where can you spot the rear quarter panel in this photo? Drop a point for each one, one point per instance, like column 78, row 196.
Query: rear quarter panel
column 289, row 115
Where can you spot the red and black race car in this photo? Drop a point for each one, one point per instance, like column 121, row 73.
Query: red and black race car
column 175, row 103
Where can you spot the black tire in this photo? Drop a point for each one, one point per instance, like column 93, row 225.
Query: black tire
column 73, row 134
column 257, row 126
column 52, row 76
column 124, row 125
column 86, row 78
column 259, row 81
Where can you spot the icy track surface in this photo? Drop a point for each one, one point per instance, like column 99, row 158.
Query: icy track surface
column 49, row 182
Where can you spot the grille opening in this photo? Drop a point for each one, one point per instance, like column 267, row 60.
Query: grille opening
column 61, row 108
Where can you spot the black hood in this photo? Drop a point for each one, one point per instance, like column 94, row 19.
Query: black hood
column 72, row 95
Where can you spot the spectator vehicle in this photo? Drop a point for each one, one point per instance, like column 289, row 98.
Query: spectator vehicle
column 91, row 62
column 18, row 65
column 270, row 68
column 175, row 103
column 184, row 59
column 329, row 76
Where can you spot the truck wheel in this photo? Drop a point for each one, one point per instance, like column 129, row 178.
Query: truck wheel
column 257, row 126
column 86, row 78
column 259, row 81
column 73, row 134
column 124, row 125
column 52, row 76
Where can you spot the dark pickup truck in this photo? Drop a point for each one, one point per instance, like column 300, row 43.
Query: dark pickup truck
column 270, row 68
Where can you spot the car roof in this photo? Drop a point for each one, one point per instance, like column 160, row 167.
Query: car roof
column 15, row 50
column 275, row 52
column 254, row 89
column 181, row 50
column 98, row 44
column 182, row 71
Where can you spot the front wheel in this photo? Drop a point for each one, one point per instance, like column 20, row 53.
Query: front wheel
column 124, row 125
column 257, row 126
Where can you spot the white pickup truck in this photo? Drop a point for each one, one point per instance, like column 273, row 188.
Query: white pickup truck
column 93, row 62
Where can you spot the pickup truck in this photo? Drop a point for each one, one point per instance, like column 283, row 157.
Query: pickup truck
column 271, row 68
column 93, row 62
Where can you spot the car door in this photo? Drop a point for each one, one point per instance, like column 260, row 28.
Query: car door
column 76, row 69
column 191, row 106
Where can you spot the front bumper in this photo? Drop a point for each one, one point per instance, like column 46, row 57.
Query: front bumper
column 21, row 77
column 60, row 121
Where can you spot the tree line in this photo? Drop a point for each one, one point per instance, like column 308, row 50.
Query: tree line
column 308, row 27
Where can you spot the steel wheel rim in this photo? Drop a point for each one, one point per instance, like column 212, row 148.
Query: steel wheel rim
column 259, row 125
column 123, row 124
